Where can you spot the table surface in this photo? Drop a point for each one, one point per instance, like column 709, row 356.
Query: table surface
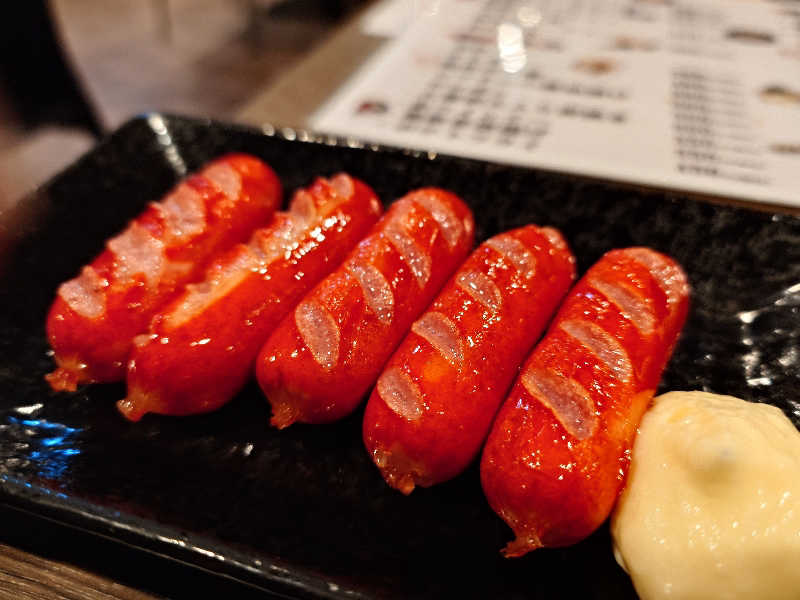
column 25, row 576
column 290, row 100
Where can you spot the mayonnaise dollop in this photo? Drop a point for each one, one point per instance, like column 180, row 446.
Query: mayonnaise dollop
column 711, row 508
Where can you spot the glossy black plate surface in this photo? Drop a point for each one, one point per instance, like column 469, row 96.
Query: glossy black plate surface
column 303, row 511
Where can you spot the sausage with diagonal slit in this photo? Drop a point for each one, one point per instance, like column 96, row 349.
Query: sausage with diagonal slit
column 200, row 349
column 558, row 452
column 435, row 401
column 322, row 359
column 96, row 315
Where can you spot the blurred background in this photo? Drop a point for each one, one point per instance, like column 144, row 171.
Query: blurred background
column 71, row 70
column 698, row 95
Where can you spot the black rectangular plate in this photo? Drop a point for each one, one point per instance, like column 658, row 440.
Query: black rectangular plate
column 303, row 512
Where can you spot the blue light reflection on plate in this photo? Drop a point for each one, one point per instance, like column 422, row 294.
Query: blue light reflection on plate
column 43, row 446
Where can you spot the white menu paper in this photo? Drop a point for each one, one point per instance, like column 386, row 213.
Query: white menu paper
column 702, row 95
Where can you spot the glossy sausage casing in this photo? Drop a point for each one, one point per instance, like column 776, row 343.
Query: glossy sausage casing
column 200, row 349
column 558, row 452
column 435, row 400
column 323, row 357
column 95, row 316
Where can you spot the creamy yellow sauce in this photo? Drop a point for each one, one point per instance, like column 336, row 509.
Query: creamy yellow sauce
column 711, row 508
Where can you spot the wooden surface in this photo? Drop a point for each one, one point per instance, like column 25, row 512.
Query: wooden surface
column 24, row 576
column 40, row 558
column 192, row 57
column 292, row 98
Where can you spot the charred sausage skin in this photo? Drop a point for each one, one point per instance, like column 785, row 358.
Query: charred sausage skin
column 434, row 402
column 200, row 349
column 323, row 357
column 95, row 316
column 558, row 451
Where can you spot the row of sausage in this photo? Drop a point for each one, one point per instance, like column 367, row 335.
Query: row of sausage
column 331, row 298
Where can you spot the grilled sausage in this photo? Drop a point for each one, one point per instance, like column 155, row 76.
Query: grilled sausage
column 95, row 316
column 321, row 360
column 200, row 349
column 435, row 400
column 558, row 452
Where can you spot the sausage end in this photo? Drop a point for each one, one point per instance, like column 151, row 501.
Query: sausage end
column 400, row 471
column 64, row 379
column 136, row 405
column 521, row 546
column 284, row 409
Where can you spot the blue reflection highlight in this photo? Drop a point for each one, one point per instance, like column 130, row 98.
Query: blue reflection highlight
column 42, row 424
column 53, row 441
column 50, row 446
column 43, row 490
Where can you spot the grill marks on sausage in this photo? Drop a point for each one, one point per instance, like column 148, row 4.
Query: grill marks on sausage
column 631, row 305
column 668, row 275
column 515, row 252
column 319, row 331
column 400, row 393
column 137, row 252
column 265, row 247
column 481, row 288
column 441, row 333
column 566, row 398
column 377, row 291
column 225, row 178
column 412, row 254
column 417, row 258
column 451, row 227
column 602, row 344
column 342, row 185
column 279, row 241
column 225, row 275
column 183, row 213
column 303, row 207
column 221, row 279
column 569, row 401
column 84, row 294
column 554, row 237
